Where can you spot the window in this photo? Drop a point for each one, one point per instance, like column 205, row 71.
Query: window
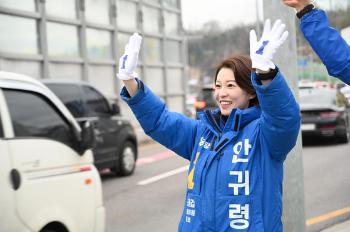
column 98, row 44
column 33, row 116
column 153, row 1
column 97, row 11
column 20, row 32
column 152, row 50
column 26, row 5
column 71, row 96
column 62, row 8
column 62, row 40
column 65, row 71
column 174, row 81
column 102, row 77
column 155, row 79
column 127, row 15
column 170, row 3
column 173, row 51
column 151, row 19
column 30, row 68
column 95, row 101
column 171, row 23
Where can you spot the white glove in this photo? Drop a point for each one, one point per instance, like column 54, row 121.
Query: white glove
column 128, row 62
column 262, row 51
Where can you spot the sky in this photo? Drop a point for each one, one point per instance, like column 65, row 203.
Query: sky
column 195, row 13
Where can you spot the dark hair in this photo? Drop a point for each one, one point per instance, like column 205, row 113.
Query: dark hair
column 241, row 66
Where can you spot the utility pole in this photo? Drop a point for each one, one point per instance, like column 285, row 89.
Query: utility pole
column 286, row 59
column 311, row 56
column 257, row 18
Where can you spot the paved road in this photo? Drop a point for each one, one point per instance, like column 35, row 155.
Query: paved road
column 152, row 199
column 327, row 183
column 152, row 207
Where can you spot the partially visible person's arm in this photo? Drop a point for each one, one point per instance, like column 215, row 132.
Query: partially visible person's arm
column 325, row 40
column 131, row 86
column 175, row 131
column 280, row 118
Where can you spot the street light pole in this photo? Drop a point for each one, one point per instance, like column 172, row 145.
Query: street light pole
column 257, row 18
column 293, row 193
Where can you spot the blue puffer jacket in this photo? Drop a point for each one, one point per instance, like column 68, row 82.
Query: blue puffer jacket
column 236, row 169
column 327, row 43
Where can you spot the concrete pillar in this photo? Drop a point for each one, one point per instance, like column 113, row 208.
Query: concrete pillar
column 286, row 60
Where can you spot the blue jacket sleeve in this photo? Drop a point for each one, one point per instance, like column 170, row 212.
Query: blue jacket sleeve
column 173, row 130
column 280, row 117
column 327, row 43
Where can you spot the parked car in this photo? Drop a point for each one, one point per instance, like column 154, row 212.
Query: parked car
column 47, row 177
column 116, row 143
column 314, row 84
column 325, row 112
column 205, row 99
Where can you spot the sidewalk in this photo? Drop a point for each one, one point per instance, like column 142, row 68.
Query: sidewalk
column 341, row 227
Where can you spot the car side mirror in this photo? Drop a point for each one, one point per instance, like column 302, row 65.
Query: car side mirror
column 87, row 137
column 115, row 109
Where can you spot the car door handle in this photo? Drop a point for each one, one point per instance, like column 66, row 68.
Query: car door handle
column 15, row 178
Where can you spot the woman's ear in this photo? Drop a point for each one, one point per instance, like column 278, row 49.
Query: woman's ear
column 252, row 96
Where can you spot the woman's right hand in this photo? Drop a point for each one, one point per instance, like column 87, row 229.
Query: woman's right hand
column 128, row 63
column 297, row 4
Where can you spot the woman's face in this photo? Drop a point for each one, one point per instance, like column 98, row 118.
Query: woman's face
column 228, row 94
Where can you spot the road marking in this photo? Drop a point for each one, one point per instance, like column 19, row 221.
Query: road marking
column 154, row 158
column 163, row 175
column 327, row 216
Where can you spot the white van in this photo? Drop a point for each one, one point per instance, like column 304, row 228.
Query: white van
column 48, row 182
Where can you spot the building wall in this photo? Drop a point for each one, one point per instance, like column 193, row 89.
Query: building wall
column 83, row 40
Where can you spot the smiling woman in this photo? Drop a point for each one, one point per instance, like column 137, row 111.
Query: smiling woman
column 226, row 146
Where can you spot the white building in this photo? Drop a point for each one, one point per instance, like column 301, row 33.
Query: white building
column 83, row 40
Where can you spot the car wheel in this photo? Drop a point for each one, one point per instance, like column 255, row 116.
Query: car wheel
column 344, row 138
column 127, row 160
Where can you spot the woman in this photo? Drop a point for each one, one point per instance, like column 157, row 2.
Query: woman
column 236, row 152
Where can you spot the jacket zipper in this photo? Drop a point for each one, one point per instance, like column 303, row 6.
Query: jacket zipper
column 219, row 156
column 219, row 146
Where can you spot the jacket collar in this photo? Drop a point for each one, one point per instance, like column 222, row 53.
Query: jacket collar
column 237, row 120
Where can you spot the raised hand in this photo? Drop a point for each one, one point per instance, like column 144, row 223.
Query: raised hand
column 262, row 51
column 128, row 61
